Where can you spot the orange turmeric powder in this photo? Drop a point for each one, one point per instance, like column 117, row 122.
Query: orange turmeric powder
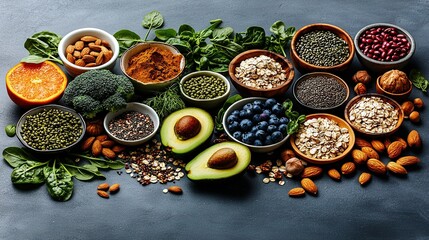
column 153, row 65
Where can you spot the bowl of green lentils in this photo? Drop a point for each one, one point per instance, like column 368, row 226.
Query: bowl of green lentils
column 205, row 89
column 50, row 128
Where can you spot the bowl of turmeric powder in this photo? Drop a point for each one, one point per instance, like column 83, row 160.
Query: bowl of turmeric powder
column 152, row 66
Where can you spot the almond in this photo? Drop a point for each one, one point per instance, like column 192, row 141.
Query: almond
column 108, row 153
column 96, row 148
column 370, row 152
column 394, row 149
column 175, row 190
column 88, row 58
column 99, row 59
column 396, row 168
column 362, row 143
column 108, row 143
column 118, row 148
column 70, row 58
column 102, row 137
column 348, row 168
column 103, row 186
column 311, row 171
column 414, row 140
column 376, row 166
column 386, row 142
column 88, row 39
column 364, row 178
column 359, row 156
column 407, row 160
column 102, row 194
column 402, row 141
column 114, row 188
column 414, row 117
column 87, row 144
column 80, row 62
column 334, row 174
column 296, row 192
column 79, row 45
column 85, row 51
column 407, row 107
column 309, row 186
column 378, row 145
column 70, row 49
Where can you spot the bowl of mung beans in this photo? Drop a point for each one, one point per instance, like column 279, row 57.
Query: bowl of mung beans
column 205, row 89
column 321, row 47
column 50, row 129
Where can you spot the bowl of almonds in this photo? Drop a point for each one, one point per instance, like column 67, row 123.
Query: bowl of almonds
column 85, row 49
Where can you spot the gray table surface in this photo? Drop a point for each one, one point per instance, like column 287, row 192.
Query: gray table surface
column 388, row 208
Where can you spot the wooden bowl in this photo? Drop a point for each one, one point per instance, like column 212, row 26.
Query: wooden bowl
column 304, row 66
column 342, row 124
column 396, row 96
column 258, row 92
column 395, row 104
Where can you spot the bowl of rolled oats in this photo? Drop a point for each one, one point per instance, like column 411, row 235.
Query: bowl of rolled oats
column 323, row 138
column 374, row 115
column 261, row 73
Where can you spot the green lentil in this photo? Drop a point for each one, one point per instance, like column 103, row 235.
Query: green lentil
column 204, row 87
column 51, row 129
column 322, row 48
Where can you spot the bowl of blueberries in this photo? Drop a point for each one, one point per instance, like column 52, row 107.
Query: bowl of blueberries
column 258, row 123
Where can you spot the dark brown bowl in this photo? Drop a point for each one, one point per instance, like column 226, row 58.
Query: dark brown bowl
column 258, row 92
column 396, row 96
column 304, row 66
column 384, row 98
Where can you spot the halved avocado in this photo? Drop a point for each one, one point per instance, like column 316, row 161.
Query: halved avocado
column 198, row 168
column 181, row 146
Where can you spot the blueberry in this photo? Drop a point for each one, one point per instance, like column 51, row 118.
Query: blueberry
column 277, row 109
column 256, row 118
column 246, row 125
column 234, row 126
column 248, row 106
column 272, row 128
column 264, row 117
column 283, row 128
column 245, row 113
column 276, row 136
column 267, row 112
column 248, row 138
column 274, row 121
column 270, row 102
column 235, row 112
column 257, row 102
column 284, row 120
column 257, row 142
column 257, row 108
column 237, row 135
column 232, row 118
column 268, row 140
column 263, row 125
column 254, row 129
column 260, row 134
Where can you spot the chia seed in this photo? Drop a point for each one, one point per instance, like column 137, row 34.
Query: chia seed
column 131, row 125
column 320, row 92
column 322, row 48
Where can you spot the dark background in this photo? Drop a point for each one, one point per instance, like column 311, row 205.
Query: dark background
column 388, row 208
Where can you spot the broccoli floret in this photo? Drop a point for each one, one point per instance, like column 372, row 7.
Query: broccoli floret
column 98, row 90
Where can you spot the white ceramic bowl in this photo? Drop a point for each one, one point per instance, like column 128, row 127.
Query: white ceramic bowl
column 149, row 87
column 205, row 103
column 73, row 69
column 257, row 149
column 138, row 107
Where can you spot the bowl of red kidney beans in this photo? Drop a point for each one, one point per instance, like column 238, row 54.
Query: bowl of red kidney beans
column 383, row 46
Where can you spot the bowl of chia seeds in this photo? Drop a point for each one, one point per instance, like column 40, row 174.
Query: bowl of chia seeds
column 321, row 47
column 321, row 91
column 205, row 89
column 133, row 125
column 50, row 129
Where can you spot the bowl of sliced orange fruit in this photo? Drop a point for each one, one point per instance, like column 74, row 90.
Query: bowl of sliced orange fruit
column 31, row 85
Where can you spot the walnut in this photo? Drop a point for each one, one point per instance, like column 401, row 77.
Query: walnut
column 361, row 76
column 395, row 81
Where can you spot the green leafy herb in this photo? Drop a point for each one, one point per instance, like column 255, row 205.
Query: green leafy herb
column 226, row 105
column 166, row 102
column 85, row 172
column 100, row 163
column 42, row 46
column 126, row 39
column 16, row 156
column 418, row 80
column 59, row 182
column 28, row 173
column 151, row 21
column 280, row 38
column 10, row 130
column 295, row 119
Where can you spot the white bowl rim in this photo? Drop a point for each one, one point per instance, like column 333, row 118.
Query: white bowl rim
column 205, row 73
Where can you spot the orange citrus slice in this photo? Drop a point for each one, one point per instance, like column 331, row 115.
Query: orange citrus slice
column 30, row 85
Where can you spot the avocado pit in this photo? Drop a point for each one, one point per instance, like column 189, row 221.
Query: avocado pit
column 187, row 127
column 223, row 158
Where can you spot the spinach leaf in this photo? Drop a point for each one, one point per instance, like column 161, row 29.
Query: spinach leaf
column 185, row 28
column 83, row 173
column 27, row 173
column 295, row 119
column 254, row 38
column 59, row 182
column 221, row 34
column 281, row 37
column 165, row 34
column 126, row 39
column 151, row 21
column 219, row 117
column 16, row 156
column 42, row 46
column 101, row 163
